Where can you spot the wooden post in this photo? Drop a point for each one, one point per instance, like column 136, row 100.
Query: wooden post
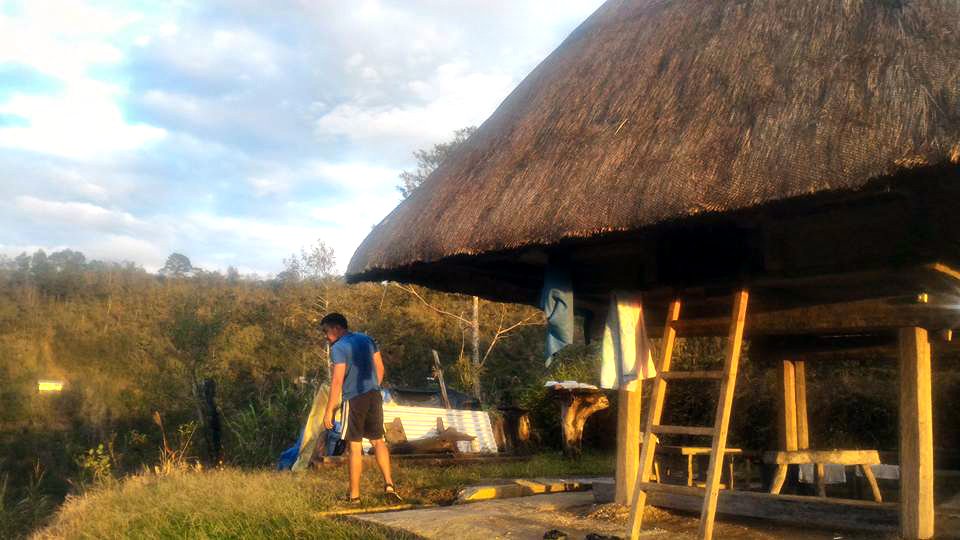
column 628, row 442
column 788, row 406
column 438, row 374
column 916, row 436
column 803, row 427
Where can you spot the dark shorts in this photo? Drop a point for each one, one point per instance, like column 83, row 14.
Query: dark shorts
column 364, row 415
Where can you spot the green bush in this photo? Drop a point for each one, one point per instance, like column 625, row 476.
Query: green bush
column 271, row 423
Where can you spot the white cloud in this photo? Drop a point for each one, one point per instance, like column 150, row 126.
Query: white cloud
column 454, row 97
column 78, row 214
column 82, row 121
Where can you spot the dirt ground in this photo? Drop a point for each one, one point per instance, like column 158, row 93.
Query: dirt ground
column 529, row 518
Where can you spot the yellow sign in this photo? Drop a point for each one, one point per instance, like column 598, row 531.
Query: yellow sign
column 45, row 385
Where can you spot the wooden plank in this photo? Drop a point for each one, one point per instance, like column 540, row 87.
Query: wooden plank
column 695, row 375
column 803, row 428
column 658, row 394
column 836, row 457
column 861, row 316
column 438, row 374
column 671, row 488
column 701, row 450
column 916, row 436
column 805, row 511
column 628, row 442
column 702, row 431
column 722, row 420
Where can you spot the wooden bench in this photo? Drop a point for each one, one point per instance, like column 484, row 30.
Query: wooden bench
column 857, row 458
column 691, row 452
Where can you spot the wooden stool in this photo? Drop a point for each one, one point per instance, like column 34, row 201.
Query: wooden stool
column 858, row 458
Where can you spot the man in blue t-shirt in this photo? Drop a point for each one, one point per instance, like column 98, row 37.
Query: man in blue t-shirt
column 356, row 378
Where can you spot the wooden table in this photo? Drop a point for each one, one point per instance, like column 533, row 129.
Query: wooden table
column 858, row 458
column 690, row 452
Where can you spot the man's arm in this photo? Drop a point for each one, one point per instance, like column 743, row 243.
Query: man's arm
column 336, row 393
column 378, row 365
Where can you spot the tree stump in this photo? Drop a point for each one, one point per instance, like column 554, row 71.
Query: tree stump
column 576, row 406
column 516, row 427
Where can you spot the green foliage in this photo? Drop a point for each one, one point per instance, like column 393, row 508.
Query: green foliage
column 20, row 515
column 95, row 466
column 429, row 160
column 177, row 265
column 269, row 424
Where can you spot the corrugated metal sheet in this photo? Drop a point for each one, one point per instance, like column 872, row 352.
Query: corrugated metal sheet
column 419, row 422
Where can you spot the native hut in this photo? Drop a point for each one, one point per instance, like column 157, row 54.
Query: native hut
column 796, row 161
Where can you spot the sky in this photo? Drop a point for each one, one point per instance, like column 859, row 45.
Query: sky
column 238, row 132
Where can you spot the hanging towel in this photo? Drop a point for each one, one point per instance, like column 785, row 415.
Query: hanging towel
column 624, row 343
column 883, row 472
column 556, row 300
column 832, row 473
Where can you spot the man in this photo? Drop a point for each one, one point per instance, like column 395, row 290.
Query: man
column 357, row 375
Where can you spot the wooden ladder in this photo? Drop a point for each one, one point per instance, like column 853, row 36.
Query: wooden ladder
column 728, row 379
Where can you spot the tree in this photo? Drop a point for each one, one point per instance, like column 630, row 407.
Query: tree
column 429, row 160
column 178, row 265
column 316, row 265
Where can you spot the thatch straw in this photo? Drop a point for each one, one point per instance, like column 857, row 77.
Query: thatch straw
column 659, row 110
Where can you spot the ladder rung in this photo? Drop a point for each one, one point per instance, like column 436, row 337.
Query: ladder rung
column 671, row 488
column 684, row 430
column 678, row 375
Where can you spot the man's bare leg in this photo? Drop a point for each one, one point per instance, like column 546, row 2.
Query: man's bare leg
column 356, row 468
column 383, row 460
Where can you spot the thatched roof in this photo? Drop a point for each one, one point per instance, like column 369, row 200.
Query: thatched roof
column 654, row 111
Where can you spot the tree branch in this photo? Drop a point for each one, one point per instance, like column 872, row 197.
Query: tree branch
column 501, row 331
column 412, row 291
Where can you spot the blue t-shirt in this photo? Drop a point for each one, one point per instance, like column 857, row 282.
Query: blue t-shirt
column 356, row 351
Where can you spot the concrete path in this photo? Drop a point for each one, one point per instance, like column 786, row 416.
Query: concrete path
column 518, row 518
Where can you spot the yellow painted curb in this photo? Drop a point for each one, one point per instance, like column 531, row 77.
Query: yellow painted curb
column 373, row 510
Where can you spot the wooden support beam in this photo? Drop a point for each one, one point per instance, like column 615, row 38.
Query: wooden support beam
column 722, row 419
column 628, row 442
column 836, row 457
column 916, row 436
column 788, row 406
column 857, row 317
column 803, row 427
column 698, row 431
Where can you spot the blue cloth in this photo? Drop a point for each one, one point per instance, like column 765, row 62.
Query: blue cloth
column 333, row 437
column 556, row 300
column 289, row 456
column 356, row 351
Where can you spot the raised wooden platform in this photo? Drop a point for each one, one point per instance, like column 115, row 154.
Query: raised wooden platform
column 791, row 509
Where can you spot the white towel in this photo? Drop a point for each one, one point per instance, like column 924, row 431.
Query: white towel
column 832, row 473
column 883, row 472
column 624, row 341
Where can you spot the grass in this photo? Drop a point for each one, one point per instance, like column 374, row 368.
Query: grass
column 235, row 503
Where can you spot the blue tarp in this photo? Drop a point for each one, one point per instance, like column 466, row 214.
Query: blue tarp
column 556, row 300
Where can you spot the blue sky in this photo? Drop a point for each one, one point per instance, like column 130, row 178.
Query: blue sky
column 238, row 132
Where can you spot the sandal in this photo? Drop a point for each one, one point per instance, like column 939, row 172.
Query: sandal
column 390, row 492
column 348, row 500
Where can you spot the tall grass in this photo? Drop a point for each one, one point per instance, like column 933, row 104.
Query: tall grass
column 234, row 503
